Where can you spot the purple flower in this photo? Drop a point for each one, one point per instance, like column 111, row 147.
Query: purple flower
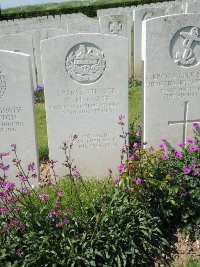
column 135, row 145
column 8, row 186
column 53, row 213
column 137, row 133
column 13, row 223
column 120, row 168
column 131, row 157
column 196, row 174
column 43, row 197
column 176, row 151
column 4, row 154
column 195, row 125
column 3, row 210
column 31, row 167
column 192, row 165
column 165, row 156
column 180, row 144
column 59, row 193
column 66, row 220
column 186, row 170
column 184, row 192
column 179, row 155
column 59, row 225
column 25, row 191
column 14, row 147
column 116, row 180
column 161, row 145
column 193, row 148
column 190, row 141
column 23, row 178
column 138, row 181
column 4, row 167
column 75, row 170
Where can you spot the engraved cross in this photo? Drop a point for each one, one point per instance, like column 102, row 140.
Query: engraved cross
column 185, row 121
column 115, row 27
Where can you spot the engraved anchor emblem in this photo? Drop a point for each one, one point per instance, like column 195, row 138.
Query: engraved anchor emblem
column 186, row 57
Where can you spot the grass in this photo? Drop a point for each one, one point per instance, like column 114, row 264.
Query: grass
column 41, row 131
column 189, row 264
column 134, row 115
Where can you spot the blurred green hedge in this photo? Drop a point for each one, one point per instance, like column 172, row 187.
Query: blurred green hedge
column 87, row 8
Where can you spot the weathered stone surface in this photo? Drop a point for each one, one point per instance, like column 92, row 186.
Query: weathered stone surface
column 37, row 37
column 20, row 43
column 118, row 25
column 85, row 92
column 79, row 23
column 17, row 117
column 171, row 54
column 140, row 14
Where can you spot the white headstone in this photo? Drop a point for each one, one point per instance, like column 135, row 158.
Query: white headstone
column 79, row 23
column 20, row 43
column 140, row 14
column 17, row 117
column 86, row 89
column 118, row 25
column 171, row 54
column 39, row 36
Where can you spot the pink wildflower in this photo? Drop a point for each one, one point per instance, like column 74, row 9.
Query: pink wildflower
column 43, row 197
column 180, row 144
column 138, row 181
column 165, row 156
column 8, row 186
column 137, row 133
column 4, row 154
column 23, row 178
column 179, row 155
column 31, row 167
column 75, row 170
column 195, row 125
column 192, row 165
column 131, row 157
column 53, row 213
column 14, row 147
column 116, row 180
column 59, row 193
column 161, row 145
column 186, row 170
column 193, row 148
column 184, row 192
column 59, row 225
column 120, row 168
column 190, row 141
column 25, row 191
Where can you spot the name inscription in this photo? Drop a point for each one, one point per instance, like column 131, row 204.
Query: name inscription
column 87, row 101
column 95, row 141
column 175, row 85
column 9, row 119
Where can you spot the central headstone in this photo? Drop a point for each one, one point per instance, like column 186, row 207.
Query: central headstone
column 84, row 94
column 171, row 54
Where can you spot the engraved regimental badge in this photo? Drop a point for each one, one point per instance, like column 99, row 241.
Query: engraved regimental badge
column 185, row 47
column 2, row 85
column 85, row 63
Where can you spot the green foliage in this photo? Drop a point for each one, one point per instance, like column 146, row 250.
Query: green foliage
column 41, row 131
column 88, row 8
column 166, row 190
column 110, row 232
